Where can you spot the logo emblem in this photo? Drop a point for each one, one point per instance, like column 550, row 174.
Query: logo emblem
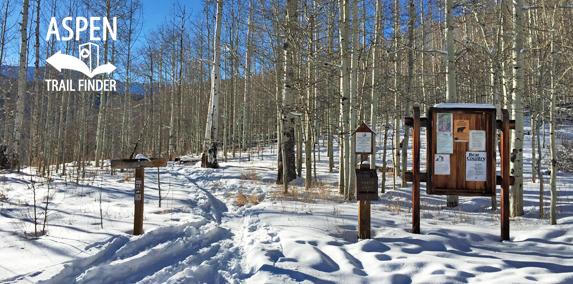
column 87, row 62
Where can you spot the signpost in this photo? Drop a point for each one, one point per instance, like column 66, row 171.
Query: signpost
column 461, row 155
column 366, row 178
column 139, row 165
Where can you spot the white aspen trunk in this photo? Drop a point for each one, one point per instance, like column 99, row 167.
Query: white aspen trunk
column 278, row 97
column 375, row 67
column 100, row 139
column 309, row 94
column 397, row 71
column 181, row 117
column 211, row 139
column 353, row 98
column 552, row 129
column 533, row 108
column 344, row 7
column 126, row 123
column 235, row 128
column 298, row 141
column 7, row 132
column 384, row 152
column 225, row 120
column 541, row 180
column 20, row 99
column 172, row 110
column 34, row 137
column 288, row 120
column 246, row 131
column 493, row 83
column 451, row 96
column 409, row 83
column 61, row 126
column 423, row 46
column 516, row 199
column 331, row 109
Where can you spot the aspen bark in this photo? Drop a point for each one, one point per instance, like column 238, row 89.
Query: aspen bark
column 375, row 67
column 20, row 99
column 344, row 7
column 552, row 129
column 3, row 39
column 33, row 155
column 397, row 71
column 516, row 199
column 353, row 98
column 409, row 85
column 246, row 131
column 288, row 120
column 211, row 137
column 309, row 94
column 451, row 96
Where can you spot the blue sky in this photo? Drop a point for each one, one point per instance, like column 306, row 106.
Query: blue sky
column 156, row 11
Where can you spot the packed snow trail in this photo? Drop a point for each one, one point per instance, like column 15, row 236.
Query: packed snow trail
column 155, row 257
column 193, row 252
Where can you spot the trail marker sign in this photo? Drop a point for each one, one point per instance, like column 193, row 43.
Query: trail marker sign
column 138, row 195
column 366, row 182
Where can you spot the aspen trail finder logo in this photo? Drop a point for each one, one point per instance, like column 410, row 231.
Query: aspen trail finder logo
column 88, row 60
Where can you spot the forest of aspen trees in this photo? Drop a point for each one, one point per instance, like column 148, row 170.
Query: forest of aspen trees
column 302, row 74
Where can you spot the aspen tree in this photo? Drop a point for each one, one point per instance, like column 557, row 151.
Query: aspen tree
column 33, row 155
column 246, row 129
column 375, row 67
column 344, row 10
column 211, row 140
column 331, row 110
column 3, row 41
column 288, row 120
column 552, row 129
column 353, row 98
column 397, row 72
column 20, row 99
column 409, row 83
column 451, row 96
column 516, row 199
column 309, row 93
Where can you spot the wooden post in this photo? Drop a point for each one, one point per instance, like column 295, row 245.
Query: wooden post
column 416, row 173
column 364, row 208
column 138, row 200
column 364, row 219
column 504, row 153
column 138, row 196
column 366, row 179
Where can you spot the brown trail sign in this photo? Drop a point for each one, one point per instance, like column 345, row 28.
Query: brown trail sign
column 366, row 179
column 139, row 165
column 460, row 155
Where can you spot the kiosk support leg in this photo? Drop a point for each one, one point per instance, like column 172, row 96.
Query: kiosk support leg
column 364, row 208
column 416, row 173
column 364, row 219
column 505, row 176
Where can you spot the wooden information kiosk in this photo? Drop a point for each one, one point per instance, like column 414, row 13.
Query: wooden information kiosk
column 461, row 155
column 366, row 178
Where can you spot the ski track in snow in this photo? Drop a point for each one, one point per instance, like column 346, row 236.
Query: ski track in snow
column 163, row 255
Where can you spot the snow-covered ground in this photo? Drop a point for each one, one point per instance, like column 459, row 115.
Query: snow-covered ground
column 200, row 235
